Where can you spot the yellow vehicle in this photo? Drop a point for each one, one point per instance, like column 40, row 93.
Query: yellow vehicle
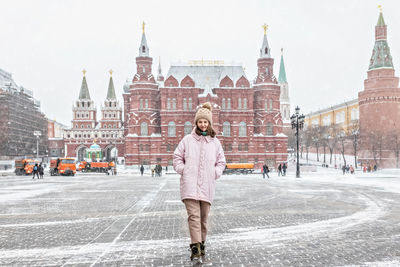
column 239, row 168
column 25, row 166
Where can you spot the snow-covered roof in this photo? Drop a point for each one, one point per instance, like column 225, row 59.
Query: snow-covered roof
column 206, row 77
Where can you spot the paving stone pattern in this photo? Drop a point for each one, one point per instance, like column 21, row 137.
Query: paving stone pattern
column 128, row 220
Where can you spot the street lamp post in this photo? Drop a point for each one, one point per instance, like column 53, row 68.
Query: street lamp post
column 297, row 123
column 37, row 134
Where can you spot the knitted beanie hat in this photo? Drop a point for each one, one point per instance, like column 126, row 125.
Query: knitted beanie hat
column 204, row 113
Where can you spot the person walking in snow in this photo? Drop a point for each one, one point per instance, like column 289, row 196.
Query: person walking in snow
column 284, row 167
column 141, row 170
column 265, row 171
column 279, row 169
column 41, row 171
column 199, row 159
column 35, row 171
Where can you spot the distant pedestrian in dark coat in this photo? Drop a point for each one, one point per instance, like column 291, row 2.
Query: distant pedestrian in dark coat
column 141, row 170
column 41, row 171
column 284, row 167
column 35, row 171
column 265, row 171
column 279, row 169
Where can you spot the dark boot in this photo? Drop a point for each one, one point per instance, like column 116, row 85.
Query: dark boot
column 202, row 249
column 196, row 253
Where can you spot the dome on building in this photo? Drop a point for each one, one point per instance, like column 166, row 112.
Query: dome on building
column 94, row 146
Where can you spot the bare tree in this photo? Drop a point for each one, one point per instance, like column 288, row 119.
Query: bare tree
column 315, row 137
column 333, row 134
column 394, row 145
column 341, row 138
column 307, row 140
column 353, row 132
column 323, row 136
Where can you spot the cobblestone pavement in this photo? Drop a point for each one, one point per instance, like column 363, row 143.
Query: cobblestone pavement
column 127, row 220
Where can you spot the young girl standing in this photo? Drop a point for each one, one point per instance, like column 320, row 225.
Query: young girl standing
column 199, row 159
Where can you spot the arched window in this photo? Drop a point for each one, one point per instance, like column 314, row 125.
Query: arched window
column 187, row 127
column 242, row 129
column 226, row 128
column 223, row 103
column 270, row 128
column 266, row 51
column 173, row 103
column 245, row 103
column 270, row 104
column 184, row 104
column 168, row 103
column 171, row 129
column 229, row 104
column 143, row 49
column 190, row 103
column 266, row 104
column 239, row 103
column 141, row 104
column 146, row 104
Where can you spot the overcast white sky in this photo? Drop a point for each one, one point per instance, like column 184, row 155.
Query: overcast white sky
column 327, row 44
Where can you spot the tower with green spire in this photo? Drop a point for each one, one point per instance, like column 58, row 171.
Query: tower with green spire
column 379, row 105
column 284, row 97
column 111, row 111
column 84, row 109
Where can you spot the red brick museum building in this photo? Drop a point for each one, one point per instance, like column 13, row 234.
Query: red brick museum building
column 158, row 112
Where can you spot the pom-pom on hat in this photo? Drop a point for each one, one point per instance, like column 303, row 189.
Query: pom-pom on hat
column 204, row 113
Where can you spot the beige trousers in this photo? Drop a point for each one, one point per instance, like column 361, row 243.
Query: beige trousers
column 197, row 218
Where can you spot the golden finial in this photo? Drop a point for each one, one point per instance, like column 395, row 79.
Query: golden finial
column 111, row 72
column 143, row 26
column 265, row 27
column 380, row 8
column 94, row 141
column 84, row 72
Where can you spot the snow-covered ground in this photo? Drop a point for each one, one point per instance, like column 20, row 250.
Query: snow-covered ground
column 324, row 218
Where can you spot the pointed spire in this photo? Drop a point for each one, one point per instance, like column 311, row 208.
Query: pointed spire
column 143, row 49
column 84, row 93
column 381, row 21
column 160, row 77
column 265, row 51
column 111, row 90
column 282, row 71
column 381, row 57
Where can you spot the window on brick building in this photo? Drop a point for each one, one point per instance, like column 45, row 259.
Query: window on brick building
column 141, row 147
column 229, row 104
column 184, row 104
column 242, row 129
column 246, row 147
column 141, row 104
column 190, row 103
column 173, row 103
column 187, row 128
column 147, row 147
column 171, row 129
column 143, row 129
column 146, row 104
column 239, row 103
column 266, row 104
column 168, row 103
column 270, row 128
column 245, row 103
column 226, row 129
column 270, row 104
column 223, row 103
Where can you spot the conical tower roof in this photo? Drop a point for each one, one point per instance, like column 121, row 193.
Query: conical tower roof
column 282, row 71
column 111, row 90
column 265, row 51
column 381, row 57
column 143, row 49
column 84, row 93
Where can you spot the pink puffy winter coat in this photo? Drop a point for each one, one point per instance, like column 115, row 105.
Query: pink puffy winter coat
column 200, row 161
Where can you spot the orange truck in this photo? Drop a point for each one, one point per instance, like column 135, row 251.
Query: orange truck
column 62, row 166
column 239, row 168
column 95, row 166
column 25, row 166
